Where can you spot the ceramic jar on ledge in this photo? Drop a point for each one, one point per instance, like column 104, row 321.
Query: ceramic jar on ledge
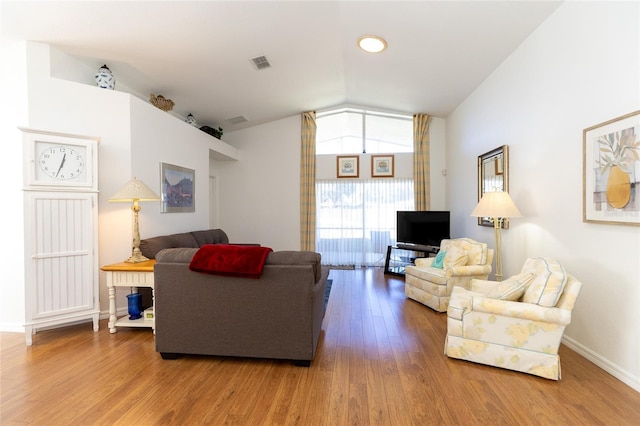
column 105, row 79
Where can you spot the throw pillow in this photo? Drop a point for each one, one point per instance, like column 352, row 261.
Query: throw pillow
column 548, row 283
column 512, row 288
column 456, row 256
column 439, row 260
column 476, row 251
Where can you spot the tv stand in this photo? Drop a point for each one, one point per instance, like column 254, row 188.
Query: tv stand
column 397, row 267
column 418, row 247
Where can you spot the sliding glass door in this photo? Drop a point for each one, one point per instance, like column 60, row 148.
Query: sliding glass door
column 356, row 218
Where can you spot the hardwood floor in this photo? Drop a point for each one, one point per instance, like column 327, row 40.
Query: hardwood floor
column 380, row 361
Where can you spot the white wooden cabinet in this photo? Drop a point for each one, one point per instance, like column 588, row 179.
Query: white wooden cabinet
column 61, row 230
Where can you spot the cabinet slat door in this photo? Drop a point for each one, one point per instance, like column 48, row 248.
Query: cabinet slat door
column 62, row 254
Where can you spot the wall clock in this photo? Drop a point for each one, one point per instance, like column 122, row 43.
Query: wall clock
column 57, row 160
column 60, row 162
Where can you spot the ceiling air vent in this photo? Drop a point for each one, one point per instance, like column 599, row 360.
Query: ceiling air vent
column 261, row 62
column 237, row 120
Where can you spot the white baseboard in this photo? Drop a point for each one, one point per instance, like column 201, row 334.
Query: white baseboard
column 11, row 328
column 617, row 372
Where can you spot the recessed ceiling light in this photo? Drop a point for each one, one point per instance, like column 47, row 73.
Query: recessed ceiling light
column 372, row 44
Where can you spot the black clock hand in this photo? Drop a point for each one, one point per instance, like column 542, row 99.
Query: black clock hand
column 64, row 157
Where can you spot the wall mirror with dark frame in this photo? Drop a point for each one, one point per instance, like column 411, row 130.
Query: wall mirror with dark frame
column 493, row 175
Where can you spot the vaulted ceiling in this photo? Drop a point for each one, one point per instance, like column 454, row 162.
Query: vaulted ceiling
column 198, row 53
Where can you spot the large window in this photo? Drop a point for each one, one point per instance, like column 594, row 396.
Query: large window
column 356, row 218
column 349, row 131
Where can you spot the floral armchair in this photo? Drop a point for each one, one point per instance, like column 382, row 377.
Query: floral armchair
column 430, row 280
column 515, row 324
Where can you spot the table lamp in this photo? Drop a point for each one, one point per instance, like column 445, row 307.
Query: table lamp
column 135, row 191
column 497, row 206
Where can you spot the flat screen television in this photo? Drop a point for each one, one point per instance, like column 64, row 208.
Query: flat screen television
column 425, row 228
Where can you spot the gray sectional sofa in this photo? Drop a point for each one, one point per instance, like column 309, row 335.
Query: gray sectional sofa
column 277, row 316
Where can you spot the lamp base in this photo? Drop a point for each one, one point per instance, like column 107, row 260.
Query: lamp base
column 136, row 257
column 497, row 226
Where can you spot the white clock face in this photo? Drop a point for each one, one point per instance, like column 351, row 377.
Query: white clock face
column 61, row 163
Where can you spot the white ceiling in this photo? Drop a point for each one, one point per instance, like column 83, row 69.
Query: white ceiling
column 198, row 53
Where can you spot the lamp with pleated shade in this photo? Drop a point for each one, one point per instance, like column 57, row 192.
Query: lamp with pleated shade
column 135, row 191
column 498, row 206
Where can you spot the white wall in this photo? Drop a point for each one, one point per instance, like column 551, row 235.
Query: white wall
column 581, row 67
column 260, row 195
column 135, row 138
column 13, row 110
column 326, row 166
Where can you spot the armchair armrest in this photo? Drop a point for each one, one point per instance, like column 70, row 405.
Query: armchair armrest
column 521, row 310
column 483, row 286
column 461, row 301
column 424, row 262
column 468, row 270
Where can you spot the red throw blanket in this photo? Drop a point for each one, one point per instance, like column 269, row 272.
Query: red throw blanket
column 231, row 260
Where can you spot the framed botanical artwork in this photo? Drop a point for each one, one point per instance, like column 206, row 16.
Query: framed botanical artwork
column 178, row 189
column 611, row 171
column 382, row 166
column 348, row 166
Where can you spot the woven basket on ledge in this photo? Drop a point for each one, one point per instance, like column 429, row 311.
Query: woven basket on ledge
column 161, row 102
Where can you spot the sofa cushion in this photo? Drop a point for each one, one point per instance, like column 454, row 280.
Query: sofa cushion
column 432, row 275
column 512, row 288
column 152, row 246
column 210, row 236
column 184, row 239
column 548, row 284
column 297, row 258
column 176, row 255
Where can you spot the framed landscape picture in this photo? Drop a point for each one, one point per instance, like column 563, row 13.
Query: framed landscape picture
column 178, row 189
column 382, row 166
column 348, row 166
column 611, row 171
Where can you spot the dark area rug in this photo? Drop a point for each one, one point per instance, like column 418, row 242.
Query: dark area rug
column 327, row 291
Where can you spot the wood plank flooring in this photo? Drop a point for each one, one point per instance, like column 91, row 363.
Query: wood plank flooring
column 380, row 362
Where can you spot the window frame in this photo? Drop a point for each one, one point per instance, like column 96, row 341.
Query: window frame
column 364, row 113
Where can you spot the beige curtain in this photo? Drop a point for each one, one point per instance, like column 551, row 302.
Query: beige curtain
column 421, row 160
column 308, row 182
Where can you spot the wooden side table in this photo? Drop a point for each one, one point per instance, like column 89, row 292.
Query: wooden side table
column 132, row 275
